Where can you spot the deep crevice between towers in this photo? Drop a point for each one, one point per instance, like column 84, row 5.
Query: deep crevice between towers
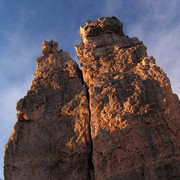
column 90, row 154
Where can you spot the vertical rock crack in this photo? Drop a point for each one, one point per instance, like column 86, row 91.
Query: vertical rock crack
column 90, row 154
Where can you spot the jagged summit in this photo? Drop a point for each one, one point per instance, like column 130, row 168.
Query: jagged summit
column 105, row 31
column 124, row 123
column 49, row 47
column 108, row 25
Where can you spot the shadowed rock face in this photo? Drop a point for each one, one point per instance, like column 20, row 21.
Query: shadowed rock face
column 123, row 123
column 135, row 117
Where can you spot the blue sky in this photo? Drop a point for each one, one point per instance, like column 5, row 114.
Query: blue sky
column 24, row 25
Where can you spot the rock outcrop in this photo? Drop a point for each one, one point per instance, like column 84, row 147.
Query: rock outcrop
column 135, row 117
column 118, row 120
column 51, row 137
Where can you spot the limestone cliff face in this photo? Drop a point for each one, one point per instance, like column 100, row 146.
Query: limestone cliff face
column 123, row 123
column 51, row 137
column 135, row 117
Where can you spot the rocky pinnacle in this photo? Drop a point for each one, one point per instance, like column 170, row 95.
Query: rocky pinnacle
column 116, row 120
column 50, row 139
column 135, row 117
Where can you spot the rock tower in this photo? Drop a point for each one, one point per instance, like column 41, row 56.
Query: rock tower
column 116, row 120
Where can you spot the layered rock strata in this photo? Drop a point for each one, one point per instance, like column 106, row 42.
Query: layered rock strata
column 118, row 120
column 135, row 117
column 51, row 137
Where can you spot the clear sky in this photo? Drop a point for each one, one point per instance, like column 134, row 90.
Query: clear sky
column 24, row 25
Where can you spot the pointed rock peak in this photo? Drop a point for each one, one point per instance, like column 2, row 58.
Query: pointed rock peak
column 104, row 25
column 49, row 47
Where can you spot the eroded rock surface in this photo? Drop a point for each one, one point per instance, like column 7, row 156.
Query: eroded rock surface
column 126, row 127
column 51, row 137
column 49, row 47
column 135, row 117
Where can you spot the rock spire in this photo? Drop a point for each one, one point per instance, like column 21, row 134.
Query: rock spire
column 135, row 117
column 117, row 119
column 50, row 139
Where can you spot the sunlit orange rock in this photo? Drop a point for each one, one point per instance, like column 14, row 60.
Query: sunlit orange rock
column 135, row 117
column 118, row 120
column 50, row 139
column 49, row 47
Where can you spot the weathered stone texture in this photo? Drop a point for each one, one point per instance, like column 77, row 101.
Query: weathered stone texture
column 135, row 117
column 125, row 127
column 51, row 137
column 49, row 47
